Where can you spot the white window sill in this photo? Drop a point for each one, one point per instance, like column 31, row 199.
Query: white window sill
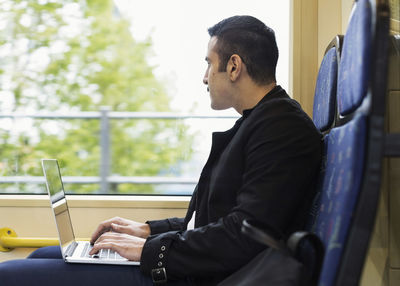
column 99, row 201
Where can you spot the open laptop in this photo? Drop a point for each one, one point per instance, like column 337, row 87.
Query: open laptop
column 72, row 251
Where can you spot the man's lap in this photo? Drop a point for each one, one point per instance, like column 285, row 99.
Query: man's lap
column 45, row 267
column 46, row 252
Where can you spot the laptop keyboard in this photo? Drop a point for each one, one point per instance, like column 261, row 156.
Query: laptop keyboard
column 102, row 254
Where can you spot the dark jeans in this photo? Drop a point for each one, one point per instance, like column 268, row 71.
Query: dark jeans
column 45, row 267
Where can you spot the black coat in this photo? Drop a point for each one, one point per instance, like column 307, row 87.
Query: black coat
column 263, row 169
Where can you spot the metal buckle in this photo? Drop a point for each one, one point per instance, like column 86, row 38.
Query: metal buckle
column 159, row 275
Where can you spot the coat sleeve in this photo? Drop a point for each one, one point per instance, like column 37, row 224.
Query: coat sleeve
column 165, row 225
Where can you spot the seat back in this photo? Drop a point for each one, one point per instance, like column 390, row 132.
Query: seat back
column 324, row 109
column 348, row 189
column 343, row 173
column 355, row 64
column 374, row 103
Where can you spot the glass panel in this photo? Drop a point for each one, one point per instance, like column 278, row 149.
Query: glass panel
column 63, row 61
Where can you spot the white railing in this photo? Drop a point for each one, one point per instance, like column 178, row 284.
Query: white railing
column 104, row 115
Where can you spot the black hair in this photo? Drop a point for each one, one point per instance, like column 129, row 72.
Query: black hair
column 253, row 41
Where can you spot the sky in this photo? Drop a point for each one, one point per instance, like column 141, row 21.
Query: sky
column 178, row 29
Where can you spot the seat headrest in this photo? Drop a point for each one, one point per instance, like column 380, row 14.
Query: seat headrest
column 324, row 109
column 354, row 66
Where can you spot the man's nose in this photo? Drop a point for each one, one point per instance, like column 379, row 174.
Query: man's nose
column 205, row 79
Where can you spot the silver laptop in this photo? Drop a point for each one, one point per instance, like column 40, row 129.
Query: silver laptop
column 72, row 251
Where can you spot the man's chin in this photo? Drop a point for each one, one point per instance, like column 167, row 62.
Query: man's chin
column 218, row 107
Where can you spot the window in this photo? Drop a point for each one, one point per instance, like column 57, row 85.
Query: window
column 113, row 89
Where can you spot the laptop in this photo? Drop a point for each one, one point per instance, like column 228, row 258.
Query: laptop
column 72, row 251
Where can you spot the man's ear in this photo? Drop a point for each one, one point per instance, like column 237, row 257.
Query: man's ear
column 234, row 67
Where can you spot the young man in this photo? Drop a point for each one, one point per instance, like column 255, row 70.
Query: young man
column 262, row 169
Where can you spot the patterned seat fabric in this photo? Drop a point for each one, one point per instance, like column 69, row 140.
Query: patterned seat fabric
column 342, row 173
column 339, row 186
column 343, row 211
column 324, row 109
column 354, row 66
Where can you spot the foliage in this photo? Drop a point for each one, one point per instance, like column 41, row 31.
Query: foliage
column 68, row 56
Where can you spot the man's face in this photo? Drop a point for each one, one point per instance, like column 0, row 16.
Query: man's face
column 218, row 82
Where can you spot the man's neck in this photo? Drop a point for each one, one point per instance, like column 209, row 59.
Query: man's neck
column 253, row 95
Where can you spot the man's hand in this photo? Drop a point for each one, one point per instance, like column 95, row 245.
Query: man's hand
column 126, row 245
column 121, row 225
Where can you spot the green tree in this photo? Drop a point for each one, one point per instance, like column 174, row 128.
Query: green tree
column 72, row 56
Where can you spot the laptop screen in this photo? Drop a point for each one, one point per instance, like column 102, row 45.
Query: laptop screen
column 58, row 202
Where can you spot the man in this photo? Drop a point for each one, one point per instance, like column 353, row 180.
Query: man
column 262, row 169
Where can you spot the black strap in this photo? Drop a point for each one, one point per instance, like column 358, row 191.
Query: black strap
column 261, row 236
column 293, row 245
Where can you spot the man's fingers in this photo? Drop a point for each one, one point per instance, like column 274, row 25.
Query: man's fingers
column 104, row 245
column 109, row 235
column 98, row 232
column 104, row 227
column 125, row 245
column 120, row 228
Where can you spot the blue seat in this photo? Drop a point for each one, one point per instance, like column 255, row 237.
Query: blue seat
column 344, row 212
column 340, row 186
column 324, row 109
column 355, row 64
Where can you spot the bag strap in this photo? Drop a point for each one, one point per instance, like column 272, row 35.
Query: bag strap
column 295, row 245
column 261, row 236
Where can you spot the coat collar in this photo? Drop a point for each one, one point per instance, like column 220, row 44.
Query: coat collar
column 275, row 92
